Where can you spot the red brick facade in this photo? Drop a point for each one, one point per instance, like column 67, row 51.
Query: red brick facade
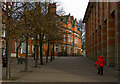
column 71, row 44
column 103, row 32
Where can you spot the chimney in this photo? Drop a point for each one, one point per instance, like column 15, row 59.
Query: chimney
column 52, row 8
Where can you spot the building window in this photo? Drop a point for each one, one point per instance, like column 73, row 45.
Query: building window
column 23, row 48
column 76, row 50
column 45, row 37
column 3, row 33
column 38, row 36
column 68, row 38
column 69, row 25
column 76, row 40
column 69, row 50
column 64, row 48
column 56, row 48
column 76, row 28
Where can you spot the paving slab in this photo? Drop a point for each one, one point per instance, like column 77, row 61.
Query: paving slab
column 62, row 69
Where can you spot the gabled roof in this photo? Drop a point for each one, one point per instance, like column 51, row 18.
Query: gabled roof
column 71, row 17
column 65, row 18
column 73, row 23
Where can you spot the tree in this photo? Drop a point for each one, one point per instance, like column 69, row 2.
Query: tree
column 24, row 29
column 27, row 30
column 37, row 22
column 9, row 10
column 81, row 27
column 55, row 37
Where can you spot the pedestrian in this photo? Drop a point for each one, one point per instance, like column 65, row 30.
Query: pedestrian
column 100, row 64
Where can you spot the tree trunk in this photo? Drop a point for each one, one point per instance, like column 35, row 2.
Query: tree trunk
column 26, row 56
column 51, row 54
column 17, row 52
column 34, row 52
column 51, row 57
column 47, row 52
column 8, row 43
column 53, row 51
column 36, row 60
column 18, row 49
column 41, row 54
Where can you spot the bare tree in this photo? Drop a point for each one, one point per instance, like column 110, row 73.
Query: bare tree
column 82, row 30
column 9, row 10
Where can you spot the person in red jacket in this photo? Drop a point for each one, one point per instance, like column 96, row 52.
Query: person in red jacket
column 100, row 64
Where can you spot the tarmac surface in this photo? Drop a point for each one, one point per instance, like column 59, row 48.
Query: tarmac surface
column 62, row 69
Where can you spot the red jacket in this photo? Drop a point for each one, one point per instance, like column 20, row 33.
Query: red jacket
column 100, row 61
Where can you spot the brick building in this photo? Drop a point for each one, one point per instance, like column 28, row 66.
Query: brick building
column 71, row 43
column 103, row 32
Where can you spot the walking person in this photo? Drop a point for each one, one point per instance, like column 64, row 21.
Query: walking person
column 100, row 65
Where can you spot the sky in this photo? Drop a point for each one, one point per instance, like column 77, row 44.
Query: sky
column 76, row 8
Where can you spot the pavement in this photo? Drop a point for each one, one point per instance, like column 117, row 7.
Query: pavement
column 62, row 69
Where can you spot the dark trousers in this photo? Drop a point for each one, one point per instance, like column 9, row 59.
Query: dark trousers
column 100, row 70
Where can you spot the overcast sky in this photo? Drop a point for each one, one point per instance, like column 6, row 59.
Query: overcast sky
column 76, row 8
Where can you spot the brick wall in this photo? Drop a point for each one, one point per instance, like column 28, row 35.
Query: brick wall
column 103, row 32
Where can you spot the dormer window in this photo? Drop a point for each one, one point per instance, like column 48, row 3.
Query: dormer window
column 69, row 25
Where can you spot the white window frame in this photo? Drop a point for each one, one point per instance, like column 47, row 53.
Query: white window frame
column 69, row 38
column 57, row 47
column 76, row 40
column 69, row 50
